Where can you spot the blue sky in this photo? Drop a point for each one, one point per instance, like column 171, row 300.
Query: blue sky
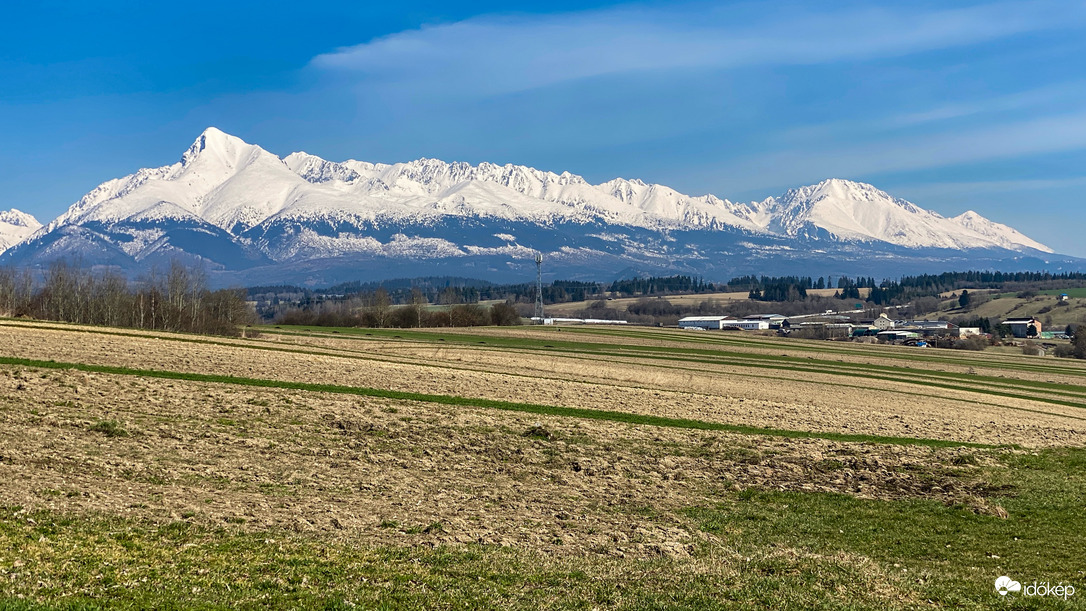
column 954, row 106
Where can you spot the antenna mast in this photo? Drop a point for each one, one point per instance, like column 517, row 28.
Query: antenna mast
column 539, row 287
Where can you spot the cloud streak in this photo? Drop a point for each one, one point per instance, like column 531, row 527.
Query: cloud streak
column 494, row 55
column 992, row 142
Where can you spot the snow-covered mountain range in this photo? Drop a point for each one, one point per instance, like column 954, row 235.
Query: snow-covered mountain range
column 251, row 216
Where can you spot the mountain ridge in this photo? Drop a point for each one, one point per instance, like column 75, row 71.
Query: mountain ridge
column 301, row 207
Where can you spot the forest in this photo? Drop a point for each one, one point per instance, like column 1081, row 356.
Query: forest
column 175, row 300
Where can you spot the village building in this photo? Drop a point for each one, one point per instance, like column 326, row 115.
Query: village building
column 1020, row 327
column 883, row 323
column 775, row 321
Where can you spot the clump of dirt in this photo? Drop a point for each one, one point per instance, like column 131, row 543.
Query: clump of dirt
column 537, row 431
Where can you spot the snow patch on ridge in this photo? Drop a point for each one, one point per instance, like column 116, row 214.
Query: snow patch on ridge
column 15, row 226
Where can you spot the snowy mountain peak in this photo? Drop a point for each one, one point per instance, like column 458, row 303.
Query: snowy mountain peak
column 15, row 226
column 840, row 189
column 214, row 138
column 223, row 148
column 18, row 218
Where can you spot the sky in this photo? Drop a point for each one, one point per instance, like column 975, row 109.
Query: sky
column 953, row 106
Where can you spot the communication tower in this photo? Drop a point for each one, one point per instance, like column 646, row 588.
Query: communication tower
column 539, row 287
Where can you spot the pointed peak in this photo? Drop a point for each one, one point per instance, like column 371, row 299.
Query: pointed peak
column 215, row 137
column 844, row 185
column 218, row 141
column 840, row 189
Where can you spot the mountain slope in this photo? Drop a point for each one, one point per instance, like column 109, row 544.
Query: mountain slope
column 999, row 233
column 235, row 206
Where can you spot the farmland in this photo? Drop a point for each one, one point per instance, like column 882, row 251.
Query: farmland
column 530, row 468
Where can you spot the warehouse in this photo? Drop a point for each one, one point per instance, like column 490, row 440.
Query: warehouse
column 746, row 325
column 702, row 322
column 721, row 322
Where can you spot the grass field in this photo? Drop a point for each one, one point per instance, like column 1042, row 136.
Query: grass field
column 1077, row 292
column 1044, row 306
column 531, row 468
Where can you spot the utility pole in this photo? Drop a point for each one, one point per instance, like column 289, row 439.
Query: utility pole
column 539, row 287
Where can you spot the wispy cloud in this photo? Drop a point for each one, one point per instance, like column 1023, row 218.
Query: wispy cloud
column 849, row 159
column 493, row 55
column 983, row 187
column 998, row 112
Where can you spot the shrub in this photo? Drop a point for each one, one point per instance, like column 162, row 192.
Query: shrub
column 504, row 314
column 976, row 342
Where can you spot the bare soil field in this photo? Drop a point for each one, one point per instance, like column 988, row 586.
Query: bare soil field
column 858, row 488
column 735, row 394
column 408, row 472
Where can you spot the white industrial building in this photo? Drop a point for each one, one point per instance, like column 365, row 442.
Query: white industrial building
column 721, row 322
column 702, row 322
column 746, row 325
column 575, row 321
column 770, row 318
column 776, row 321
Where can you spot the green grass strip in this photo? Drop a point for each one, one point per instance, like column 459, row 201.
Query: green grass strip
column 531, row 408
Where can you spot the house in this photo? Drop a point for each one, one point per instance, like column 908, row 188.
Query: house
column 883, row 323
column 1019, row 327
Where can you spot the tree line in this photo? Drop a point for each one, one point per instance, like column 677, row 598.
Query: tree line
column 177, row 300
column 376, row 309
